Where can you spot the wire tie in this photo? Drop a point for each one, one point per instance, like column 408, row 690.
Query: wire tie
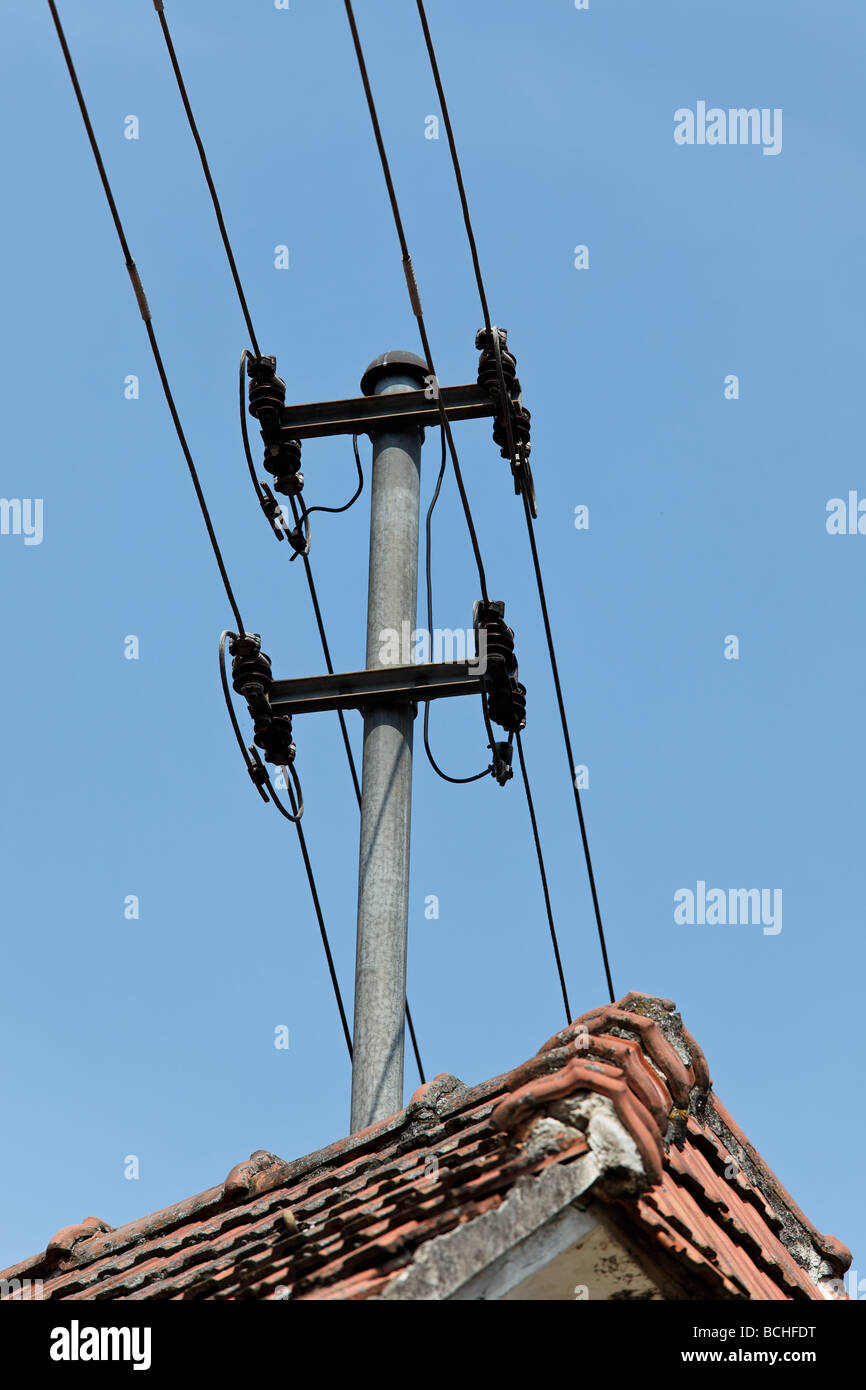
column 414, row 292
column 138, row 289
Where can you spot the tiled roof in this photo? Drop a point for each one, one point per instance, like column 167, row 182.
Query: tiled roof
column 618, row 1107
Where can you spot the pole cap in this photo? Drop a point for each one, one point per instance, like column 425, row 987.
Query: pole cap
column 396, row 363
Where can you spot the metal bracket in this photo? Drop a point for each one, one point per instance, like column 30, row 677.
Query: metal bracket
column 381, row 686
column 369, row 414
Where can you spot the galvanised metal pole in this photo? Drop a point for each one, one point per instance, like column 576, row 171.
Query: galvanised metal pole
column 386, row 793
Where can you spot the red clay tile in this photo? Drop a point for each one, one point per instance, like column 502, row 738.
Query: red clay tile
column 344, row 1222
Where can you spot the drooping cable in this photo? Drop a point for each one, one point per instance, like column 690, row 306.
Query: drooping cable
column 335, row 511
column 464, row 203
column 329, row 665
column 144, row 310
column 302, row 525
column 300, row 520
column 429, row 571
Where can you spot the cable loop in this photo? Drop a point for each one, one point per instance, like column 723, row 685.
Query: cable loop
column 290, row 775
column 428, row 534
column 308, row 511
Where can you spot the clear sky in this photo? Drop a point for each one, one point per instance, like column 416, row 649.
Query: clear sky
column 707, row 520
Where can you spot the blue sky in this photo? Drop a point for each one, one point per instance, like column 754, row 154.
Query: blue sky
column 154, row 1037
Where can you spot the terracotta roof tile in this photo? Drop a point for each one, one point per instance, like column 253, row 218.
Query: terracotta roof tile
column 684, row 1185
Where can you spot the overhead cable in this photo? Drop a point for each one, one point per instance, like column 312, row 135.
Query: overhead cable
column 144, row 310
column 266, row 499
column 527, row 497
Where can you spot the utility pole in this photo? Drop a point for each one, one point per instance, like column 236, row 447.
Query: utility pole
column 386, row 791
column 396, row 407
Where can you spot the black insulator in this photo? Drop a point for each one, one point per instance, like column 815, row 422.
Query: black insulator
column 267, row 403
column 251, row 674
column 274, row 737
column 289, row 484
column 267, row 391
column 512, row 419
column 520, row 422
column 515, row 709
column 506, row 706
column 283, row 460
column 488, row 370
column 500, row 638
column 504, row 696
column 251, row 669
column 283, row 455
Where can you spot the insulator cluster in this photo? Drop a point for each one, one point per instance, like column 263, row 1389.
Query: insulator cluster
column 504, row 696
column 488, row 371
column 252, row 678
column 267, row 400
column 509, row 410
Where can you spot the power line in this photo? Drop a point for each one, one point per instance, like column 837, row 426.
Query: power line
column 414, row 295
column 540, row 856
column 569, row 754
column 299, row 520
column 464, row 203
column 145, row 314
column 452, row 145
column 296, row 818
column 322, row 931
column 144, row 310
column 159, row 7
column 446, row 431
column 478, row 775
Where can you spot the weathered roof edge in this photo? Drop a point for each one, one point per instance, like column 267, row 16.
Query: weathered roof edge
column 636, row 1027
column 80, row 1244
